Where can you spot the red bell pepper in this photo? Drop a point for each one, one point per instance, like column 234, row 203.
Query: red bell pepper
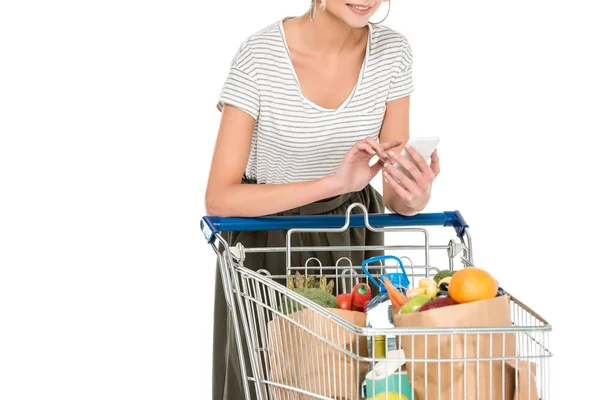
column 344, row 301
column 361, row 294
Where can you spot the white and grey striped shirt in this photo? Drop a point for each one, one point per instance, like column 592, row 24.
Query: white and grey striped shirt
column 294, row 139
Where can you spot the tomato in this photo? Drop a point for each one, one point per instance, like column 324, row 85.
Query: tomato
column 344, row 301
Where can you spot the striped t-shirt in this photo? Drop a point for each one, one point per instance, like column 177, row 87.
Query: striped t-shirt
column 294, row 139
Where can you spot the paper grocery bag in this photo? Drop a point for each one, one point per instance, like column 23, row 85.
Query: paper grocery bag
column 470, row 379
column 312, row 353
column 524, row 373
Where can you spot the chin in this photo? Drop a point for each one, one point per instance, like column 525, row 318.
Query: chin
column 352, row 22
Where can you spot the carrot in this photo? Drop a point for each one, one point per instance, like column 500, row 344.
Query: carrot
column 392, row 292
column 398, row 299
column 402, row 300
column 390, row 287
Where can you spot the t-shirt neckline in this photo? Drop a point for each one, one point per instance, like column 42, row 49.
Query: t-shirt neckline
column 297, row 81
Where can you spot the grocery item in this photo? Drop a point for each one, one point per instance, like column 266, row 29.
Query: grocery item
column 292, row 350
column 429, row 285
column 344, row 301
column 445, row 273
column 415, row 292
column 388, row 376
column 327, row 286
column 361, row 294
column 494, row 312
column 391, row 289
column 398, row 299
column 379, row 346
column 438, row 302
column 472, row 284
column 310, row 282
column 321, row 295
column 394, row 360
column 379, row 317
column 445, row 281
column 426, row 282
column 317, row 295
column 414, row 304
column 378, row 309
column 444, row 286
column 388, row 396
column 431, row 290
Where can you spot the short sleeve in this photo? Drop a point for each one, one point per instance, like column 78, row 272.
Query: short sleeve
column 402, row 83
column 240, row 89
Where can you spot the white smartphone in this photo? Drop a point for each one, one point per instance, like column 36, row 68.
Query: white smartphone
column 425, row 146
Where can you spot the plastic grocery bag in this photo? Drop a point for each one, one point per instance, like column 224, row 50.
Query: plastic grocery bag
column 465, row 379
column 312, row 353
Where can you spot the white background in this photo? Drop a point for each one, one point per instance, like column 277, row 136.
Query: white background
column 107, row 122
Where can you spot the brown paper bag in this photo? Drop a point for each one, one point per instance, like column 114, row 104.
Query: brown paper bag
column 303, row 354
column 439, row 380
column 525, row 374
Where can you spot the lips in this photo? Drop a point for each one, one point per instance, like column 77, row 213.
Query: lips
column 359, row 9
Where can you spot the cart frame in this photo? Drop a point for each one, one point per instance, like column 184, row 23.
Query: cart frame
column 253, row 297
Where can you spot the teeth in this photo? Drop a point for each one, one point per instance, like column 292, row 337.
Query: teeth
column 360, row 8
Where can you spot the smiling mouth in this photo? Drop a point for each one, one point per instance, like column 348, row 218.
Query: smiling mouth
column 359, row 9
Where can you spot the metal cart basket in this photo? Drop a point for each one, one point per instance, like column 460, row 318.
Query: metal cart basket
column 314, row 352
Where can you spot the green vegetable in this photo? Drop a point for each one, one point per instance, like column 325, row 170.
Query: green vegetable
column 442, row 274
column 315, row 289
column 326, row 286
column 318, row 295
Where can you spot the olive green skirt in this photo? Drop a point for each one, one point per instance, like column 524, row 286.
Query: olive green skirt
column 227, row 376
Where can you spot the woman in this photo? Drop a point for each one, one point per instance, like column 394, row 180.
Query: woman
column 308, row 103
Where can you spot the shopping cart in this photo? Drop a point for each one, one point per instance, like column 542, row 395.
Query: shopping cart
column 306, row 351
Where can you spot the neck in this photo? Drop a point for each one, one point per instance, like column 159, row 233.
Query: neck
column 328, row 34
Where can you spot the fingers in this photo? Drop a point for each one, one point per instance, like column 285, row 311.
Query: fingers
column 417, row 176
column 363, row 146
column 405, row 181
column 375, row 168
column 382, row 147
column 435, row 163
column 413, row 182
column 421, row 163
column 403, row 193
column 376, row 146
column 371, row 147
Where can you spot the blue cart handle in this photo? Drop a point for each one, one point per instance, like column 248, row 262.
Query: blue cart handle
column 212, row 225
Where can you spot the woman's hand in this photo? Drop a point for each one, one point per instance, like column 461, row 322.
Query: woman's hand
column 354, row 172
column 414, row 190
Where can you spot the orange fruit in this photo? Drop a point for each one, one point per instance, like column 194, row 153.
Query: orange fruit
column 472, row 284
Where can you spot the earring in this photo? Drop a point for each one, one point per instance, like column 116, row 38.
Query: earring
column 313, row 10
column 386, row 15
